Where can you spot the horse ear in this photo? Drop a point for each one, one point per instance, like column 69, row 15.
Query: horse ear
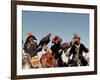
column 49, row 51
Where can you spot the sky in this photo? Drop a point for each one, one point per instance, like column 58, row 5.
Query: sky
column 40, row 23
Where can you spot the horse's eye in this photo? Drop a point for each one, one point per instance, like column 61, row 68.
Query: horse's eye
column 51, row 58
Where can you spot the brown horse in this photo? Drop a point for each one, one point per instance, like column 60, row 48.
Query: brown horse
column 47, row 60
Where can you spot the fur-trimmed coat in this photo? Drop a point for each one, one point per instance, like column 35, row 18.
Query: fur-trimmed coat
column 30, row 48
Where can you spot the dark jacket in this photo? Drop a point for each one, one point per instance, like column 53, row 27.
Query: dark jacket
column 55, row 51
column 55, row 48
column 30, row 48
column 82, row 49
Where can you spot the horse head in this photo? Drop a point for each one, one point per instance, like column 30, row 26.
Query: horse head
column 48, row 60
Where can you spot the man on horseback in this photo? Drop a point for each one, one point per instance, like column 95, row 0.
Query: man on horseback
column 77, row 50
column 56, row 50
column 30, row 45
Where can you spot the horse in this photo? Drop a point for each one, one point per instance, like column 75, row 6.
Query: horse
column 47, row 60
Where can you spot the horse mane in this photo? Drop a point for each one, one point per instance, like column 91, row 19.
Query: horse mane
column 48, row 60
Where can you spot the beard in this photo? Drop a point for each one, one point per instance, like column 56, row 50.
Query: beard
column 76, row 43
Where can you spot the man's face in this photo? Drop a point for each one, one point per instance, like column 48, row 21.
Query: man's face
column 56, row 41
column 77, row 41
column 31, row 39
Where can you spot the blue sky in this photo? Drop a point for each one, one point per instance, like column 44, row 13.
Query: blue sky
column 57, row 23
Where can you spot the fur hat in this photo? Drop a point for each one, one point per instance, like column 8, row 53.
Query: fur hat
column 76, row 36
column 30, row 35
column 56, row 38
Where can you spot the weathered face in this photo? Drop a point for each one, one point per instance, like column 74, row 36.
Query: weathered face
column 77, row 41
column 31, row 39
column 56, row 41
